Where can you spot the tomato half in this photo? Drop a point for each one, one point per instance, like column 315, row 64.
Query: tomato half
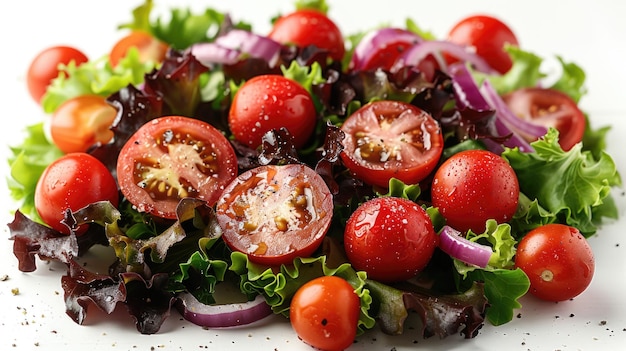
column 558, row 261
column 386, row 139
column 45, row 67
column 488, row 35
column 82, row 122
column 549, row 108
column 473, row 186
column 173, row 157
column 392, row 239
column 269, row 102
column 309, row 27
column 275, row 213
column 324, row 312
column 150, row 48
column 72, row 182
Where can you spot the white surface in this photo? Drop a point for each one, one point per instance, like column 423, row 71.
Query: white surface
column 589, row 33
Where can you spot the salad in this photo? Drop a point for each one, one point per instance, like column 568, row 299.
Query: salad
column 176, row 250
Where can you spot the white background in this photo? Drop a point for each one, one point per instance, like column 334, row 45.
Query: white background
column 591, row 33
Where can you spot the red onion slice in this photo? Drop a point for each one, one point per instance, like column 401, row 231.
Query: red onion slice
column 222, row 316
column 211, row 53
column 454, row 244
column 379, row 39
column 255, row 45
column 420, row 51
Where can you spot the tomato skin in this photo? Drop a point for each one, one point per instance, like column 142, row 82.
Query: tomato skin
column 45, row 67
column 309, row 27
column 489, row 36
column 558, row 261
column 392, row 239
column 473, row 186
column 274, row 214
column 550, row 108
column 82, row 122
column 269, row 102
column 386, row 139
column 324, row 312
column 173, row 157
column 150, row 48
column 73, row 181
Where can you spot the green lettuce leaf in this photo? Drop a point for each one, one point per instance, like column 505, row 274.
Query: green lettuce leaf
column 569, row 184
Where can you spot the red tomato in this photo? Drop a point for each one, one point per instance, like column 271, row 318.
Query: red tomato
column 473, row 186
column 171, row 158
column 558, row 261
column 392, row 239
column 550, row 108
column 324, row 312
column 275, row 213
column 150, row 48
column 386, row 139
column 45, row 67
column 309, row 27
column 488, row 35
column 82, row 122
column 269, row 102
column 72, row 182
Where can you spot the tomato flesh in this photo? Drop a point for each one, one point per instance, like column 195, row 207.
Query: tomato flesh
column 72, row 182
column 45, row 67
column 557, row 260
column 275, row 213
column 324, row 312
column 391, row 139
column 309, row 27
column 81, row 122
column 549, row 108
column 392, row 239
column 171, row 158
column 473, row 186
column 150, row 49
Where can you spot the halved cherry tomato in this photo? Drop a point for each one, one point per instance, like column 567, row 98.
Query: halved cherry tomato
column 149, row 47
column 45, row 67
column 473, row 186
column 488, row 35
column 386, row 139
column 72, row 182
column 392, row 239
column 269, row 102
column 550, row 108
column 173, row 157
column 309, row 27
column 324, row 312
column 558, row 261
column 275, row 213
column 82, row 122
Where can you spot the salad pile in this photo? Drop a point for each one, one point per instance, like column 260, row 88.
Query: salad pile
column 343, row 181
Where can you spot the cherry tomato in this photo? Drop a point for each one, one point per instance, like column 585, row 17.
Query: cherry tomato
column 386, row 139
column 324, row 312
column 82, row 122
column 309, row 27
column 269, row 102
column 381, row 48
column 488, row 35
column 558, row 261
column 550, row 108
column 45, row 67
column 173, row 157
column 275, row 213
column 150, row 48
column 473, row 186
column 72, row 182
column 392, row 239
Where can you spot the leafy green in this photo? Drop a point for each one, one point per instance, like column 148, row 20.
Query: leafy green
column 582, row 186
column 412, row 26
column 319, row 5
column 397, row 188
column 27, row 162
column 96, row 77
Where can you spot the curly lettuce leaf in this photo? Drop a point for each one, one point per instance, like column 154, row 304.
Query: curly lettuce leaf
column 95, row 78
column 570, row 184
